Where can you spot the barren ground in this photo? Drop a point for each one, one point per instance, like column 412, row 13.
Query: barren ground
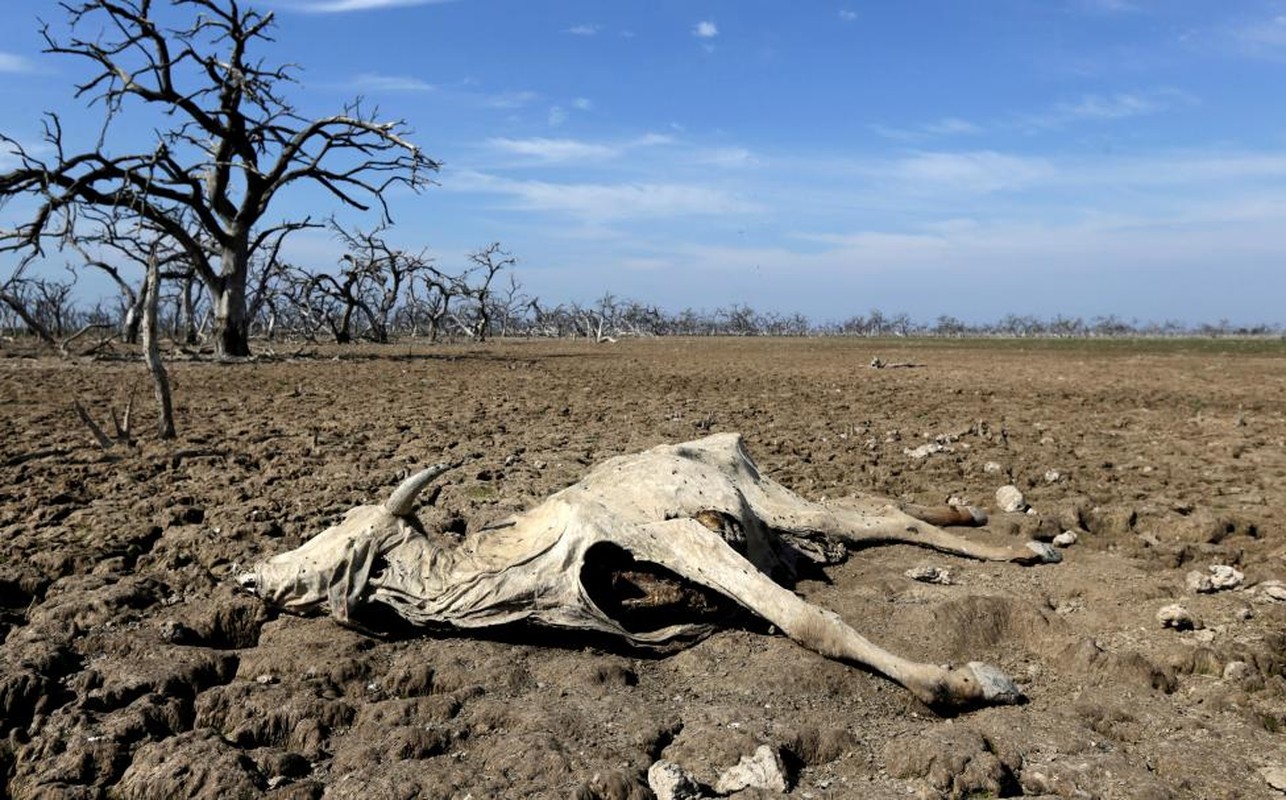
column 132, row 668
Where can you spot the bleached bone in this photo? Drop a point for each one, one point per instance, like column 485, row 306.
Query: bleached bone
column 699, row 511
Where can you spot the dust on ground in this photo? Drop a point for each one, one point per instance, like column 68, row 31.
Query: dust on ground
column 132, row 668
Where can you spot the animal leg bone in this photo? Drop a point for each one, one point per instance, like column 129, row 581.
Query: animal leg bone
column 688, row 548
column 863, row 524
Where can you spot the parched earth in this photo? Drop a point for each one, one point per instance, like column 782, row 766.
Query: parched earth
column 131, row 667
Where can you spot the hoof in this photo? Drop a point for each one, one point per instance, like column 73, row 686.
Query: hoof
column 1045, row 553
column 997, row 688
column 248, row 581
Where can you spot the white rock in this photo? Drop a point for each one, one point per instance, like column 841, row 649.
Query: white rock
column 1065, row 539
column 1009, row 498
column 669, row 781
column 1275, row 776
column 991, row 467
column 1177, row 617
column 1053, row 476
column 927, row 574
column 926, row 450
column 1236, row 671
column 1217, row 578
column 1223, row 576
column 1273, row 590
column 763, row 770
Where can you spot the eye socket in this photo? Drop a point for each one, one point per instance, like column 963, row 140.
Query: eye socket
column 726, row 525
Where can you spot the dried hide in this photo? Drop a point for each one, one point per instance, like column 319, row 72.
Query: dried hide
column 697, row 514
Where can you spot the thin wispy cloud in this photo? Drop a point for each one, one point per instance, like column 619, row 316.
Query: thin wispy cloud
column 980, row 172
column 947, row 126
column 512, row 99
column 15, row 64
column 372, row 82
column 582, row 103
column 555, row 150
column 727, row 157
column 562, row 151
column 1106, row 107
column 1264, row 39
column 847, row 15
column 1106, row 6
column 598, row 203
column 705, row 30
column 344, row 6
column 557, row 116
column 583, row 30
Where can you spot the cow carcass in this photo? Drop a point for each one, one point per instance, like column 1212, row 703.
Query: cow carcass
column 635, row 550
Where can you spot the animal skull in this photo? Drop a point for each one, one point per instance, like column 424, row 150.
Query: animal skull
column 697, row 514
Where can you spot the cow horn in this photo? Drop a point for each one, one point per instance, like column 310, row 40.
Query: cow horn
column 403, row 498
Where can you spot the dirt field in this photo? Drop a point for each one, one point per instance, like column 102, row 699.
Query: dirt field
column 132, row 668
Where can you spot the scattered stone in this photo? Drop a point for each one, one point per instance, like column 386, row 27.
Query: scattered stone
column 763, row 770
column 1275, row 776
column 1010, row 499
column 1237, row 671
column 1273, row 590
column 991, row 467
column 178, row 633
column 669, row 781
column 1177, row 617
column 1217, row 578
column 265, row 679
column 1053, row 476
column 927, row 574
column 926, row 450
column 1065, row 539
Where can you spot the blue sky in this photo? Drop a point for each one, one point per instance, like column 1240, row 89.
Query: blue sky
column 973, row 158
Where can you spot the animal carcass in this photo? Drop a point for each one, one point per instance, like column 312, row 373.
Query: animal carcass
column 690, row 524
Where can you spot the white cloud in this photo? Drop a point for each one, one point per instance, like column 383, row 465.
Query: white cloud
column 606, row 202
column 1120, row 105
column 705, row 30
column 572, row 150
column 947, row 126
column 1266, row 38
column 375, row 82
column 952, row 126
column 731, row 157
column 582, row 104
column 848, row 15
column 341, row 6
column 978, row 172
column 511, row 99
column 584, row 30
column 1107, row 6
column 12, row 63
column 555, row 150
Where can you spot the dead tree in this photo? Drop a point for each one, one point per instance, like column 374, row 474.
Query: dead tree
column 234, row 143
column 474, row 320
column 16, row 293
column 152, row 351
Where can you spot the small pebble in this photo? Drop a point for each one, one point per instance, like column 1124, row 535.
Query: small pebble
column 1177, row 617
column 1010, row 499
column 928, row 574
column 1065, row 539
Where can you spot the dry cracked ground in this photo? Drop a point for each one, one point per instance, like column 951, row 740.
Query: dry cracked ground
column 132, row 668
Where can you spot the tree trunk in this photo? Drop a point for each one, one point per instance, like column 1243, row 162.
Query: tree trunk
column 152, row 353
column 228, row 298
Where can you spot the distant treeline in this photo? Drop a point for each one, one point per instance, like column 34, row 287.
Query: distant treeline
column 476, row 305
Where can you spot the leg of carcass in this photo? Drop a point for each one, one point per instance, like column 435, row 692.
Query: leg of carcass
column 858, row 526
column 699, row 555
